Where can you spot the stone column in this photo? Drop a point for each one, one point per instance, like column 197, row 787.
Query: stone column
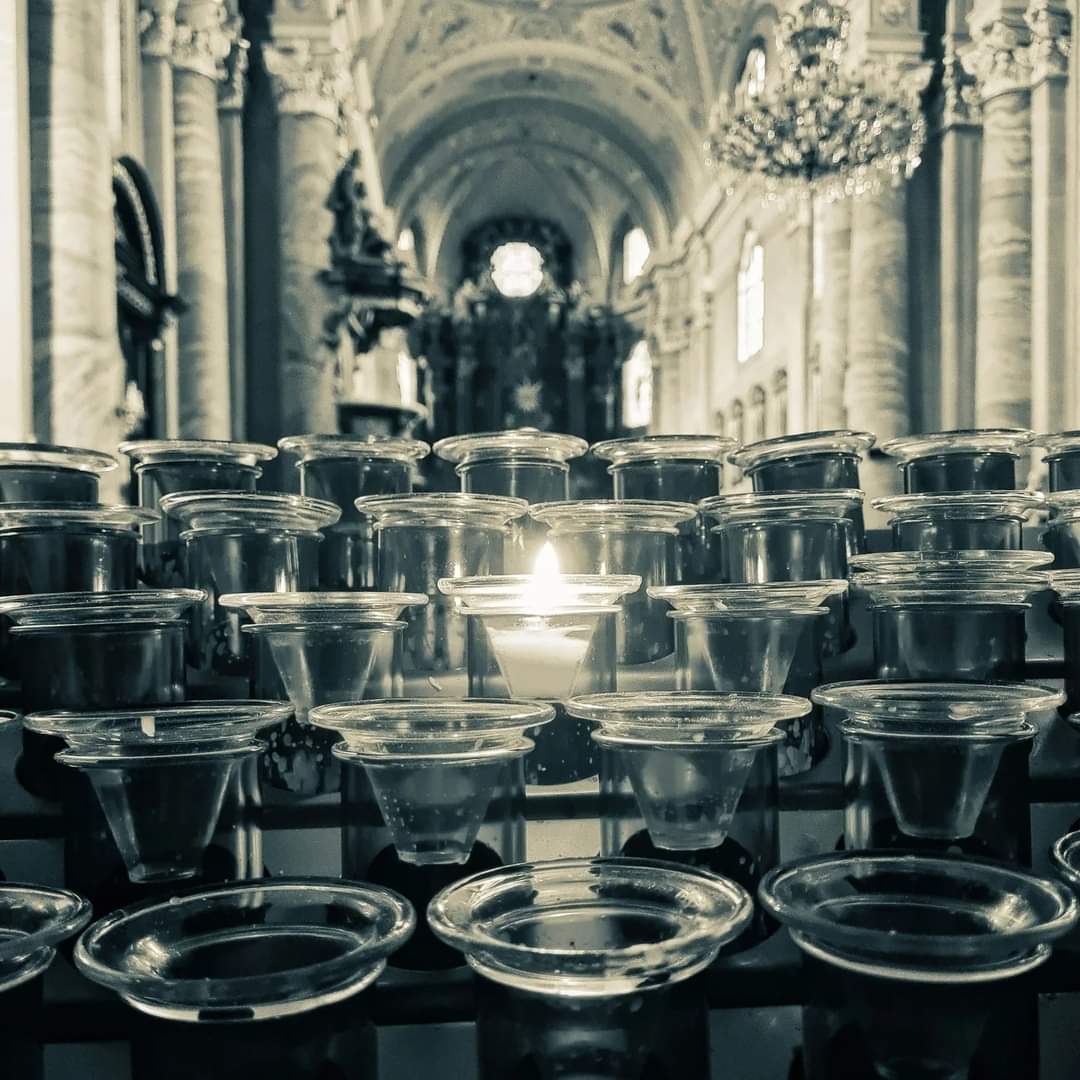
column 834, row 220
column 999, row 59
column 309, row 86
column 203, row 40
column 1053, row 378
column 231, row 128
column 78, row 366
column 157, row 28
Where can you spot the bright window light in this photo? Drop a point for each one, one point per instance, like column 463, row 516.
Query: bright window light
column 517, row 269
column 635, row 254
column 751, row 302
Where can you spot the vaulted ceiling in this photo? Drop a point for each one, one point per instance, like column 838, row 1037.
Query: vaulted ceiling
column 582, row 111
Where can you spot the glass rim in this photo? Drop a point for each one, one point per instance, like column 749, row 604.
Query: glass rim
column 711, row 910
column 151, row 452
column 77, row 458
column 1002, row 440
column 799, row 916
column 836, row 504
column 1057, row 443
column 493, row 587
column 442, row 508
column 980, row 560
column 585, row 515
column 372, row 624
column 1065, row 857
column 28, row 515
column 320, row 601
column 1063, row 502
column 13, row 973
column 122, row 604
column 634, row 449
column 317, row 447
column 633, row 737
column 66, row 913
column 840, row 441
column 964, row 504
column 950, row 730
column 748, row 598
column 1066, row 583
column 391, row 917
column 297, row 511
column 701, row 708
column 511, row 443
column 402, row 718
column 917, row 700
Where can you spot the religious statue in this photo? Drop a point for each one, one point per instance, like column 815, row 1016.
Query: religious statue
column 354, row 238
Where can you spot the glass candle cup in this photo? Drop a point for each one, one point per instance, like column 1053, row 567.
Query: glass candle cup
column 790, row 536
column 341, row 469
column 171, row 466
column 1066, row 584
column 1061, row 537
column 959, row 520
column 624, row 537
column 242, row 542
column 979, row 459
column 540, row 637
column 938, row 765
column 913, row 964
column 1062, row 460
column 33, row 472
column 676, row 468
column 1065, row 859
column 442, row 794
column 161, row 774
column 586, row 965
column 812, row 461
column 759, row 638
column 421, row 539
column 692, row 777
column 259, row 979
column 958, row 615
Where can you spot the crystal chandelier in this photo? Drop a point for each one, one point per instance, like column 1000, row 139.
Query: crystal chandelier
column 823, row 129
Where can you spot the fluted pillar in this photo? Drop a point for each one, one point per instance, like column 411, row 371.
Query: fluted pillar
column 999, row 59
column 834, row 220
column 309, row 86
column 203, row 40
column 78, row 366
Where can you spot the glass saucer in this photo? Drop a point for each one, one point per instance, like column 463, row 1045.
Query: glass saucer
column 56, row 457
column 35, row 917
column 613, row 515
column 211, row 510
column 71, row 608
column 746, row 506
column 664, row 448
column 442, row 508
column 510, row 445
column 158, row 451
column 785, row 447
column 498, row 592
column 320, row 446
column 44, row 515
column 750, row 599
column 971, row 561
column 304, row 607
column 962, row 441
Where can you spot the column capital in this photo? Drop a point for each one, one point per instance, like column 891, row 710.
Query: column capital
column 157, row 28
column 1050, row 23
column 961, row 105
column 205, row 35
column 999, row 55
column 309, row 79
column 234, row 83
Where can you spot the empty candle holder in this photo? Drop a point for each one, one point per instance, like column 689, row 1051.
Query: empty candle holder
column 544, row 636
column 1066, row 584
column 759, row 638
column 587, row 965
column 950, row 615
column 34, row 920
column 959, row 520
column 421, row 539
column 977, row 459
column 692, row 777
column 1062, row 460
column 444, row 794
column 341, row 469
column 242, row 542
column 161, row 774
column 625, row 537
column 170, row 466
column 265, row 978
column 812, row 461
column 1061, row 537
column 34, row 472
column 938, row 765
column 914, row 965
column 674, row 468
column 790, row 536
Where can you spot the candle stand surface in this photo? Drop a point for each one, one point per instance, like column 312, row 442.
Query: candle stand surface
column 979, row 459
column 162, row 467
column 586, row 967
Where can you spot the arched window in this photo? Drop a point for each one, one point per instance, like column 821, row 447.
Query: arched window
column 752, row 80
column 637, row 388
column 750, row 318
column 517, row 269
column 635, row 253
column 780, row 415
column 757, row 414
column 406, row 241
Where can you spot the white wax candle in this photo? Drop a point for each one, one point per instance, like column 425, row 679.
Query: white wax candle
column 539, row 661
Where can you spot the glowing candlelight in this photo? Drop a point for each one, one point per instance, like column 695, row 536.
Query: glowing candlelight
column 546, row 588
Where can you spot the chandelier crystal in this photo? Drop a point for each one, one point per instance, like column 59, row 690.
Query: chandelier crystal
column 823, row 129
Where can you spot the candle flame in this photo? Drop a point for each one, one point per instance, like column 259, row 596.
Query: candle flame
column 547, row 589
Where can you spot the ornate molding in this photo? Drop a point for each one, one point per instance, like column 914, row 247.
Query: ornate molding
column 204, row 47
column 961, row 105
column 234, row 84
column 307, row 80
column 1051, row 39
column 157, row 28
column 999, row 55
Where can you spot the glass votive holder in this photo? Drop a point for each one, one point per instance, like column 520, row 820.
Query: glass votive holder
column 692, row 777
column 1066, row 584
column 421, row 539
column 976, row 459
column 259, row 979
column 36, row 472
column 341, row 469
column 674, row 468
column 959, row 520
column 950, row 615
column 161, row 774
column 759, row 638
column 615, row 537
column 170, row 466
column 938, row 765
column 1065, row 859
column 1062, row 460
column 586, row 965
column 913, row 964
column 238, row 542
column 34, row 920
column 1061, row 537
